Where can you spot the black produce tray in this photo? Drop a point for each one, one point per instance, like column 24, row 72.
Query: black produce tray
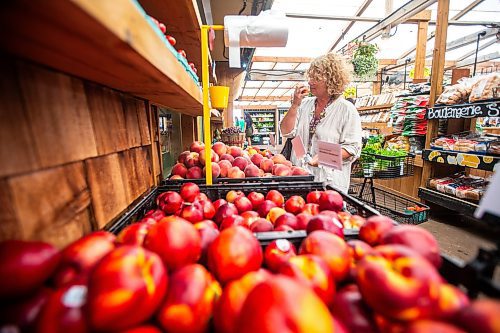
column 215, row 192
column 383, row 167
column 301, row 178
column 390, row 204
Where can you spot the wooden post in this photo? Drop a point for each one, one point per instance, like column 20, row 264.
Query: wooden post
column 421, row 46
column 438, row 62
column 377, row 85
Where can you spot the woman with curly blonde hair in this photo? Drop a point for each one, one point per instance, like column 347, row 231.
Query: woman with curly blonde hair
column 326, row 116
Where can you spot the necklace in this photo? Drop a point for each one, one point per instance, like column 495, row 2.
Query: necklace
column 316, row 120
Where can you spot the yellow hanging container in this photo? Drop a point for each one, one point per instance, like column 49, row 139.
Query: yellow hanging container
column 219, row 96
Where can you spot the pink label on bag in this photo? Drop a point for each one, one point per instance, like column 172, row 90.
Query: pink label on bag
column 330, row 155
column 298, row 147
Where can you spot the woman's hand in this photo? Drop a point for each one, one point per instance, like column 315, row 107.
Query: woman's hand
column 300, row 92
column 314, row 161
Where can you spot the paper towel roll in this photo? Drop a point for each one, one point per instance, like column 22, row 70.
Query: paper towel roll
column 269, row 29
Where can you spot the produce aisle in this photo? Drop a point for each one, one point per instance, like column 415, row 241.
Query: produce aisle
column 109, row 220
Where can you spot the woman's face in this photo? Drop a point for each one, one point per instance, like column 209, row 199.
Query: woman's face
column 318, row 87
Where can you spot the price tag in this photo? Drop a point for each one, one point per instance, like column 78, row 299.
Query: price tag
column 330, row 155
column 489, row 202
column 298, row 147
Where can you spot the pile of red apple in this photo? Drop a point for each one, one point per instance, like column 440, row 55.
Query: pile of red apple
column 172, row 41
column 167, row 274
column 232, row 162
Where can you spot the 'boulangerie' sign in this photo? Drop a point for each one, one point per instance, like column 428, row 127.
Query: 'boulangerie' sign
column 484, row 109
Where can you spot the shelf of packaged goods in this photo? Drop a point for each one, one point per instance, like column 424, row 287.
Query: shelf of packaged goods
column 263, row 133
column 374, row 107
column 112, row 43
column 447, row 201
column 470, row 160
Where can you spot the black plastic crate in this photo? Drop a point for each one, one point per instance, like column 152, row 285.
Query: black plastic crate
column 390, row 204
column 215, row 192
column 225, row 180
column 383, row 167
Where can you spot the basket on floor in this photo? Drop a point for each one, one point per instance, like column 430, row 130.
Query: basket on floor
column 400, row 209
column 383, row 167
column 233, row 139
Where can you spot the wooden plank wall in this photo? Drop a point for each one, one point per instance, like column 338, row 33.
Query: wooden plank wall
column 74, row 155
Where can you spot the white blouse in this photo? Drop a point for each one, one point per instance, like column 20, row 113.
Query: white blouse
column 342, row 125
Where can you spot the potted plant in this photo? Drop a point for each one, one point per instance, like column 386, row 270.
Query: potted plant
column 364, row 61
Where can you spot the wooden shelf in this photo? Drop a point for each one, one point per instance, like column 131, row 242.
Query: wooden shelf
column 108, row 42
column 375, row 107
column 183, row 22
column 469, row 159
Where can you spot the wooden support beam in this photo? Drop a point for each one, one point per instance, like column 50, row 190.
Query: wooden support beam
column 424, row 15
column 421, row 46
column 264, row 98
column 360, row 11
column 281, row 59
column 439, row 52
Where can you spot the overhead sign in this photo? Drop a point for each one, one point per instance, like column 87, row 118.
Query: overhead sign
column 461, row 111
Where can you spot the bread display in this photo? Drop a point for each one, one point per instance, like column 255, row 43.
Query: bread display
column 465, row 187
column 485, row 88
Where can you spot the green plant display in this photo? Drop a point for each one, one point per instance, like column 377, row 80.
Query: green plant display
column 372, row 151
column 364, row 61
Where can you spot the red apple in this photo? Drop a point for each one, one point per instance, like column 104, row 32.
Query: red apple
column 252, row 171
column 23, row 312
column 311, row 209
column 266, row 165
column 235, row 151
column 225, row 210
column 303, row 220
column 134, row 234
column 192, row 160
column 243, row 204
column 219, row 202
column 416, row 238
column 277, row 253
column 215, row 170
column 182, row 157
column 374, row 229
column 275, row 197
column 180, row 170
column 398, row 283
column 480, row 316
column 25, row 266
column 231, row 221
column 265, row 207
column 80, row 257
column 189, row 191
column 233, row 254
column 281, row 304
column 201, row 197
column 327, row 223
column 331, row 248
column 224, row 167
column 192, row 212
column 256, row 159
column 350, row 309
column 433, row 326
column 64, row 311
column 295, row 204
column 125, row 288
column 214, row 157
column 175, row 240
column 228, row 308
column 219, row 148
column 250, row 217
column 232, row 195
column 170, row 202
column 261, row 225
column 197, row 146
column 190, row 300
column 312, row 271
column 208, row 233
column 256, row 198
column 227, row 157
column 194, row 173
column 287, row 219
column 331, row 200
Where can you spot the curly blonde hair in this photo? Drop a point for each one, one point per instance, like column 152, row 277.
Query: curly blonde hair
column 333, row 69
